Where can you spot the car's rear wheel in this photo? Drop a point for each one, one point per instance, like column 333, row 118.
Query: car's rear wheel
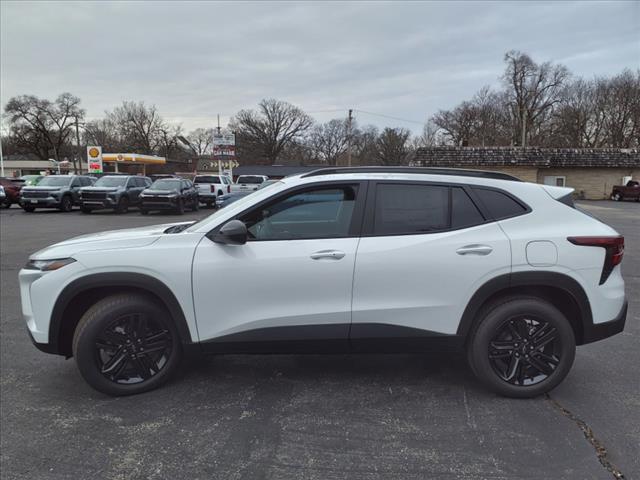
column 123, row 205
column 66, row 204
column 125, row 344
column 521, row 347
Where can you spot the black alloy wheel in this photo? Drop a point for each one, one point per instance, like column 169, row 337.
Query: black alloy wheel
column 525, row 351
column 126, row 344
column 123, row 205
column 521, row 346
column 66, row 204
column 132, row 349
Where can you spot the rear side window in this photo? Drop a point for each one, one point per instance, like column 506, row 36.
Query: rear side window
column 499, row 204
column 406, row 209
column 207, row 179
column 464, row 213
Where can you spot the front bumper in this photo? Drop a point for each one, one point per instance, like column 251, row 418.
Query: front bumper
column 99, row 203
column 598, row 331
column 159, row 203
column 50, row 202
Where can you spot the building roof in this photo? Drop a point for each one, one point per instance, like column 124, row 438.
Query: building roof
column 273, row 170
column 527, row 157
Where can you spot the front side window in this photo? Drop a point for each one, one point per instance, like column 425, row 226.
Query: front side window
column 319, row 213
column 402, row 209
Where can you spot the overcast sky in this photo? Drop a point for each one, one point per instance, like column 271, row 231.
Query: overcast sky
column 197, row 59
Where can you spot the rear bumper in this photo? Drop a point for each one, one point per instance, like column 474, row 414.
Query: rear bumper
column 593, row 333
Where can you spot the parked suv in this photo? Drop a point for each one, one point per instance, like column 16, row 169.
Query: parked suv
column 169, row 194
column 117, row 192
column 340, row 260
column 54, row 191
column 11, row 192
column 210, row 187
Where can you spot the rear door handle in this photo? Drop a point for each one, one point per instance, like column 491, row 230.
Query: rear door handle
column 474, row 250
column 334, row 254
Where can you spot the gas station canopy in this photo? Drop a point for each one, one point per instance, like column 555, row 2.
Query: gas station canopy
column 133, row 159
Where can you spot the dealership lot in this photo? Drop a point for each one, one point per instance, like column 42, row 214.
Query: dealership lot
column 370, row 416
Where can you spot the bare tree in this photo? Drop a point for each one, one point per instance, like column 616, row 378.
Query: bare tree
column 140, row 127
column 104, row 133
column 40, row 126
column 266, row 132
column 201, row 139
column 330, row 140
column 533, row 90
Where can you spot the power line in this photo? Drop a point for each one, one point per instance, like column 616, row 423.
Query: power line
column 389, row 116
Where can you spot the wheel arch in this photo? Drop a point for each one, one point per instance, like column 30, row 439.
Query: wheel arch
column 77, row 297
column 564, row 292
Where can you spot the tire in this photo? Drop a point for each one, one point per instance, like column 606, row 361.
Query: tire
column 180, row 207
column 66, row 204
column 144, row 211
column 196, row 205
column 494, row 329
column 126, row 344
column 616, row 197
column 6, row 203
column 86, row 209
column 123, row 205
column 29, row 208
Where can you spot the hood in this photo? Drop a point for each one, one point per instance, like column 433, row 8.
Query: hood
column 38, row 188
column 99, row 189
column 113, row 239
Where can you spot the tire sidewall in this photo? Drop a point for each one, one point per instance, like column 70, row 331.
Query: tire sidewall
column 478, row 352
column 92, row 324
column 66, row 204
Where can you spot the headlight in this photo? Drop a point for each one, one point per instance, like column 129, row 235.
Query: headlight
column 48, row 265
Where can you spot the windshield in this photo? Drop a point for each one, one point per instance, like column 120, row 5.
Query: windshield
column 111, row 182
column 249, row 179
column 241, row 203
column 166, row 184
column 55, row 181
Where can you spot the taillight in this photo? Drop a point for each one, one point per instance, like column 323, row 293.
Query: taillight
column 614, row 248
column 213, row 188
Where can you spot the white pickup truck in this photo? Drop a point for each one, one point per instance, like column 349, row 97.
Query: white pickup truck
column 248, row 183
column 211, row 186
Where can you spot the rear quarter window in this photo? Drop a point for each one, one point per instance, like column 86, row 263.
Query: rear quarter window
column 499, row 204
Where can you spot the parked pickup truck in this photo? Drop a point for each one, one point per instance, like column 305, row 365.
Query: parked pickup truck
column 630, row 190
column 248, row 183
column 210, row 187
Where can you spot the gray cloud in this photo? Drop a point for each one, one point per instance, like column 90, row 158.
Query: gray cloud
column 196, row 59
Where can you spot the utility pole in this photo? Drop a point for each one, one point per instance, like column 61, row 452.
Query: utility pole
column 79, row 152
column 349, row 122
column 214, row 147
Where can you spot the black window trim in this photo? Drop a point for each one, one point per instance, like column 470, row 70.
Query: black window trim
column 357, row 219
column 486, row 212
column 369, row 216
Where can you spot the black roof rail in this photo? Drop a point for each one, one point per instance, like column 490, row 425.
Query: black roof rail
column 460, row 172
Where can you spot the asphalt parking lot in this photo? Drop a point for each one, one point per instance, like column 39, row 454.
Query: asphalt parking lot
column 311, row 417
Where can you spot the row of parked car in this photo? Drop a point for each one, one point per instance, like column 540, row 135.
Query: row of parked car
column 120, row 192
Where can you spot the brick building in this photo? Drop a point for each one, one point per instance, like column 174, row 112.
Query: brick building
column 591, row 172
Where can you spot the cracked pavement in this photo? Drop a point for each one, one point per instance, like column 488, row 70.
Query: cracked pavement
column 312, row 417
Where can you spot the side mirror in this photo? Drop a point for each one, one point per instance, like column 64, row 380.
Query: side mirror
column 232, row 233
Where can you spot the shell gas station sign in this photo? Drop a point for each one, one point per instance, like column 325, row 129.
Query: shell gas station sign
column 94, row 159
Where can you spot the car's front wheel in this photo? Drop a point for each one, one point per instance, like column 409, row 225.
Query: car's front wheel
column 125, row 344
column 616, row 197
column 521, row 347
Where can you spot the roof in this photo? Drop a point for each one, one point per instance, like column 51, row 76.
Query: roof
column 527, row 157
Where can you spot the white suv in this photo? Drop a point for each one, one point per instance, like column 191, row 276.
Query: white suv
column 340, row 260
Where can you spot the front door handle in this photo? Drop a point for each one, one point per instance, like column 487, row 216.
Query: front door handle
column 334, row 254
column 474, row 250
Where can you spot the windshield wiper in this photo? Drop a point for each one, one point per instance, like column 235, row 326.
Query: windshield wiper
column 179, row 228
